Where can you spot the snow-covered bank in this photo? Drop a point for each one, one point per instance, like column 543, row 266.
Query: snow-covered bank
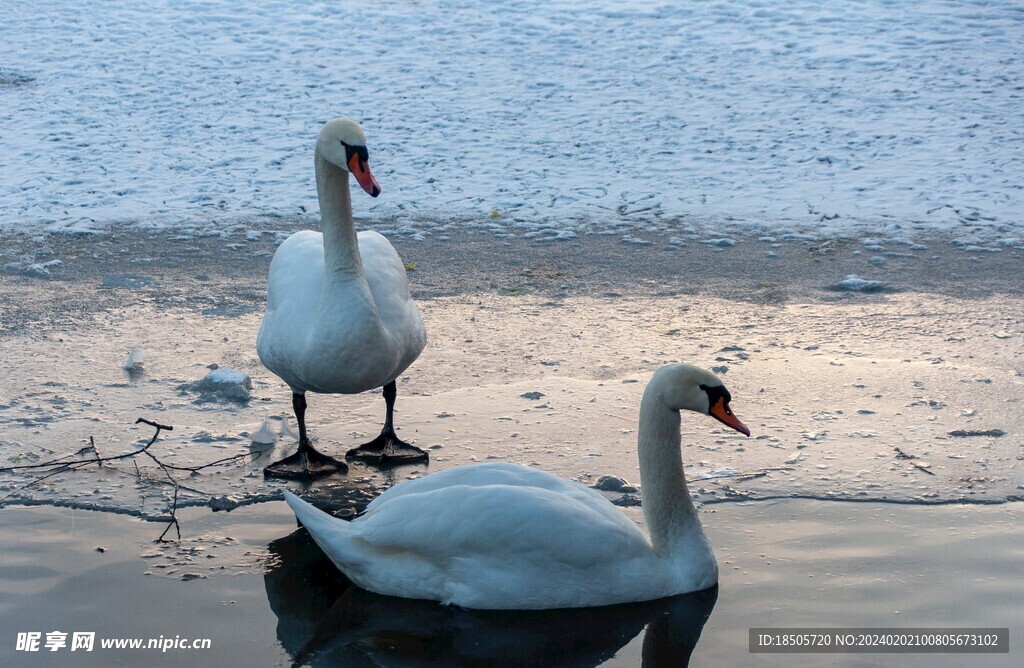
column 822, row 118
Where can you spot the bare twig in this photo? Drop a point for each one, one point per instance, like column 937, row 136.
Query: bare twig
column 40, row 479
column 760, row 473
column 126, row 455
column 193, row 469
column 161, row 481
column 166, row 470
column 158, row 426
column 62, row 464
column 902, row 455
column 174, row 519
column 92, row 444
column 52, row 462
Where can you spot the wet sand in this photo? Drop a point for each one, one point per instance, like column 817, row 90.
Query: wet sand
column 222, row 268
column 538, row 354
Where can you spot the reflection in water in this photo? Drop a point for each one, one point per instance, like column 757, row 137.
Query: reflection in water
column 301, row 588
column 136, row 375
column 323, row 620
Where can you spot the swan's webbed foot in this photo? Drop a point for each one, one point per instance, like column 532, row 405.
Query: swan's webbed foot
column 387, row 449
column 305, row 464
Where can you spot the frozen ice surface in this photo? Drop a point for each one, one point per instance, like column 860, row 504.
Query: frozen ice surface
column 829, row 390
column 825, row 118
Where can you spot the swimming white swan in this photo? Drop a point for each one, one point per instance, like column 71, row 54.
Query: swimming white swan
column 339, row 316
column 502, row 536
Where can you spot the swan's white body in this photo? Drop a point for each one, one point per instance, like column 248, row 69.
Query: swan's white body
column 503, row 536
column 338, row 332
column 339, row 315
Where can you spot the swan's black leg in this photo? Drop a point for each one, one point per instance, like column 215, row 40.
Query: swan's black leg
column 307, row 462
column 388, row 448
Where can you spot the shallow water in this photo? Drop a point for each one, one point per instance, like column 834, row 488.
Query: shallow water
column 266, row 592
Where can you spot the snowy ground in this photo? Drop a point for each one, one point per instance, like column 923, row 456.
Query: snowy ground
column 832, row 118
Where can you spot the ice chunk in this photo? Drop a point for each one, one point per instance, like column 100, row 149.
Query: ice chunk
column 226, row 502
column 221, row 384
column 853, row 283
column 135, row 359
column 717, row 473
column 38, row 269
column 610, row 483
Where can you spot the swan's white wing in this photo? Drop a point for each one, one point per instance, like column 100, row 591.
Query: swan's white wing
column 462, row 520
column 386, row 277
column 293, row 297
column 509, row 546
column 296, row 272
column 499, row 473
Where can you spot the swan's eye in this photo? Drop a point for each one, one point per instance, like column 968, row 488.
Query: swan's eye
column 718, row 393
column 364, row 155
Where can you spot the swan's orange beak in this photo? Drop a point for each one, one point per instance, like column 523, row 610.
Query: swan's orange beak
column 721, row 412
column 361, row 170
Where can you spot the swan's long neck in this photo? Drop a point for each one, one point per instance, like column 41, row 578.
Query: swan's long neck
column 668, row 509
column 341, row 247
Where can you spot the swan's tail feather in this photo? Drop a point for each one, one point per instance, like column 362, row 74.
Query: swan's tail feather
column 319, row 524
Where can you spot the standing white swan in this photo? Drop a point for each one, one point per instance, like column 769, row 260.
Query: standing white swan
column 339, row 316
column 502, row 536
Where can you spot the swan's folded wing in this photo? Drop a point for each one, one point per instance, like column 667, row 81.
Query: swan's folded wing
column 464, row 521
column 296, row 271
column 382, row 266
column 386, row 277
column 293, row 288
column 498, row 473
column 502, row 546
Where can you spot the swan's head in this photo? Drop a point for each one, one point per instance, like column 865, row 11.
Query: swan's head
column 688, row 387
column 343, row 143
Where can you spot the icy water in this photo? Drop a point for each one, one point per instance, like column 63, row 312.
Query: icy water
column 821, row 118
column 275, row 598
